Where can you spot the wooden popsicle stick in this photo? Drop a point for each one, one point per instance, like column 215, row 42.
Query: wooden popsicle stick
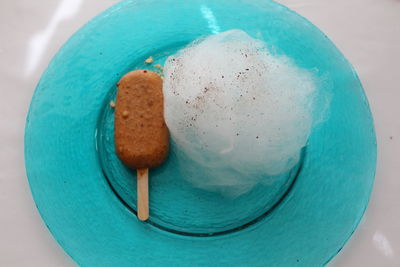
column 143, row 194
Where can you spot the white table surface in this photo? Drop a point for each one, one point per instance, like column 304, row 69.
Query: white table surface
column 31, row 32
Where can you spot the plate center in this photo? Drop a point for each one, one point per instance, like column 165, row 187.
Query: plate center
column 175, row 204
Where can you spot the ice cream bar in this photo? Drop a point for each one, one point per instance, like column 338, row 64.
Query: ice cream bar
column 141, row 135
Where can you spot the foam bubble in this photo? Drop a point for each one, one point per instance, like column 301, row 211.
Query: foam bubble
column 237, row 110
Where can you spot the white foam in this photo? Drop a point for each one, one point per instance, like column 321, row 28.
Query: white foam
column 237, row 110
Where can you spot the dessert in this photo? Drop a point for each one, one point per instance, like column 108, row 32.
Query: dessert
column 141, row 135
column 240, row 110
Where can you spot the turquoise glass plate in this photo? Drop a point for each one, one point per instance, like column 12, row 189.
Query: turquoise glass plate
column 87, row 197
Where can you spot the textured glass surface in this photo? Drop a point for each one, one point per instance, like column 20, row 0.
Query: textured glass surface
column 70, row 162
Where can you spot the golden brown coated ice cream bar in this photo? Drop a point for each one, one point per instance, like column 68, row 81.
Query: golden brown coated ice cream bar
column 141, row 135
